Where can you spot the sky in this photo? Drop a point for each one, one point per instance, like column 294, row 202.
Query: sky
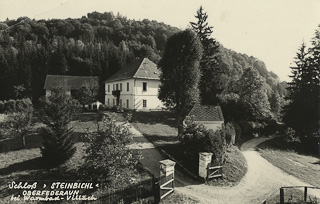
column 270, row 30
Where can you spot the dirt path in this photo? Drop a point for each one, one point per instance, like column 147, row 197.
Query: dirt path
column 261, row 180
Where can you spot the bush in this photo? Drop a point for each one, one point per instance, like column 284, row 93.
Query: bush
column 196, row 138
column 23, row 104
column 108, row 153
column 290, row 135
column 10, row 106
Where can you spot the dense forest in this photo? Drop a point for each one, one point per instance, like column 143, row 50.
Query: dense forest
column 99, row 45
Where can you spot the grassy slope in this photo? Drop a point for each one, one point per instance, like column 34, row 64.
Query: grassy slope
column 159, row 128
column 304, row 167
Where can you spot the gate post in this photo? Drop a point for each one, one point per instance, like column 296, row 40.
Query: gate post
column 204, row 161
column 166, row 181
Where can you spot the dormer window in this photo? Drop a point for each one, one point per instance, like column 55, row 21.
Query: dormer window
column 144, row 86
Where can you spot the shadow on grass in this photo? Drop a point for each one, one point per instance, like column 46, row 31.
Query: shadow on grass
column 32, row 164
column 13, row 144
column 153, row 117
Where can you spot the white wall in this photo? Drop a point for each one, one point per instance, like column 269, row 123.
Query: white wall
column 213, row 125
column 151, row 95
column 135, row 95
column 124, row 94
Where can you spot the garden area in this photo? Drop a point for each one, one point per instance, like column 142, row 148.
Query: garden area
column 84, row 137
column 160, row 128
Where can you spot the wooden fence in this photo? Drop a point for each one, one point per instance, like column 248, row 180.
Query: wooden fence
column 282, row 195
column 144, row 189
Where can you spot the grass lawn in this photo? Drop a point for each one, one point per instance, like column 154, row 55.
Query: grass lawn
column 304, row 167
column 160, row 128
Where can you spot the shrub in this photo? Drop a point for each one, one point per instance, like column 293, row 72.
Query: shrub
column 230, row 134
column 108, row 153
column 290, row 135
column 196, row 138
column 23, row 104
column 10, row 106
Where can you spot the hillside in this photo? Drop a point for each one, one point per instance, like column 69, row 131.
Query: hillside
column 99, row 44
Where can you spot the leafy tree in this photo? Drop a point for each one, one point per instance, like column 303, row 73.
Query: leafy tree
column 20, row 121
column 209, row 65
column 58, row 145
column 108, row 153
column 251, row 87
column 87, row 94
column 180, row 73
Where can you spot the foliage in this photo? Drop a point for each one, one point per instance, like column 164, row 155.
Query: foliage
column 210, row 79
column 107, row 151
column 290, row 135
column 10, row 105
column 302, row 112
column 20, row 122
column 87, row 94
column 196, row 138
column 230, row 134
column 2, row 107
column 180, row 73
column 58, row 145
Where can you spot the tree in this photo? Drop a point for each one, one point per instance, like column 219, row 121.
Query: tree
column 209, row 65
column 180, row 73
column 302, row 112
column 108, row 153
column 251, row 88
column 20, row 122
column 87, row 94
column 58, row 145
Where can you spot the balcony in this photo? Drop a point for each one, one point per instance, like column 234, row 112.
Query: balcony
column 116, row 93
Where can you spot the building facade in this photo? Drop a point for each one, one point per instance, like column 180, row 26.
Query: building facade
column 134, row 87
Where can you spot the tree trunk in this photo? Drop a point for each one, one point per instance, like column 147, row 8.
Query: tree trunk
column 23, row 141
column 180, row 126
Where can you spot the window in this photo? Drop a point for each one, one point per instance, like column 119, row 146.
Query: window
column 114, row 102
column 113, row 87
column 108, row 102
column 117, row 87
column 144, row 86
column 120, row 86
column 144, row 103
column 108, row 88
column 120, row 102
column 127, row 103
column 127, row 86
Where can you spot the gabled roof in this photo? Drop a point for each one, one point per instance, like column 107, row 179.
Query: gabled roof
column 206, row 113
column 142, row 69
column 71, row 82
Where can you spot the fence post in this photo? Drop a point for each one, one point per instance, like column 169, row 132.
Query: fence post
column 281, row 195
column 204, row 161
column 305, row 194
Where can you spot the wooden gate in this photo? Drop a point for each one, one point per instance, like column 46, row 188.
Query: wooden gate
column 214, row 172
column 166, row 181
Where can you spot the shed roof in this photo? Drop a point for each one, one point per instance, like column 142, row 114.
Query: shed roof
column 206, row 113
column 142, row 68
column 72, row 82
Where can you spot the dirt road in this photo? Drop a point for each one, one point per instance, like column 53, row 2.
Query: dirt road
column 261, row 180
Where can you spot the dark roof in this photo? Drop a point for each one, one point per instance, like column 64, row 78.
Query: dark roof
column 142, row 69
column 206, row 113
column 71, row 82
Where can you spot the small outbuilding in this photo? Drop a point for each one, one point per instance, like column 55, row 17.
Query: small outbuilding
column 210, row 116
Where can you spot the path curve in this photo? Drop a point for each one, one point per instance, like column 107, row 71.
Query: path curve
column 261, row 180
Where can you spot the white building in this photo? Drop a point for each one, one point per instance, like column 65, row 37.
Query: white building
column 134, row 87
